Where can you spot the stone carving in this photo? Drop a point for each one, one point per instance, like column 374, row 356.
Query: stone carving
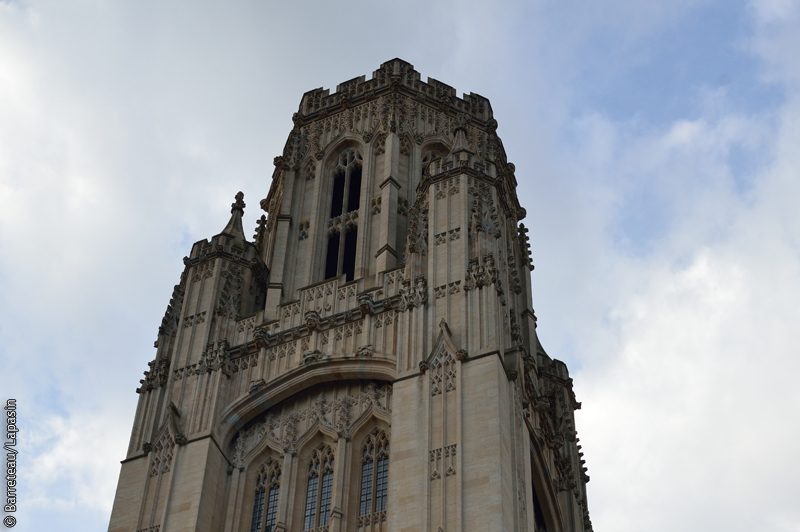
column 215, row 357
column 302, row 230
column 342, row 223
column 386, row 318
column 483, row 212
column 479, row 275
column 516, row 336
column 169, row 323
column 346, row 292
column 402, row 206
column 156, row 376
column 310, row 170
column 375, row 205
column 230, row 300
column 413, row 295
column 312, row 320
column 443, row 373
column 261, row 232
column 284, row 430
column 366, row 305
column 312, row 356
column 256, row 385
column 203, row 270
column 524, row 243
column 450, row 459
column 246, row 325
column 365, row 351
column 417, row 239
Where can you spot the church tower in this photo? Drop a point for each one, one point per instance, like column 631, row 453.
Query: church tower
column 368, row 360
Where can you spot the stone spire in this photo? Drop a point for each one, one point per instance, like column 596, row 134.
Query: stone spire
column 234, row 227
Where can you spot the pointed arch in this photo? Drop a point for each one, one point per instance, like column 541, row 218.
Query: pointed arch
column 319, row 487
column 442, row 362
column 267, row 493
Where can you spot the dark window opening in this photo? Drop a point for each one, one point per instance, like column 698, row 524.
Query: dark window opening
column 338, row 194
column 332, row 259
column 354, row 194
column 325, row 502
column 272, row 508
column 349, row 264
column 311, row 503
column 258, row 511
column 382, row 493
column 365, row 504
column 538, row 515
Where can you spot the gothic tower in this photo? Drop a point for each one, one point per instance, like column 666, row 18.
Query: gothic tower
column 369, row 361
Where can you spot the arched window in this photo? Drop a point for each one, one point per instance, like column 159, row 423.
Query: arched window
column 268, row 486
column 345, row 198
column 374, row 474
column 319, row 488
column 431, row 162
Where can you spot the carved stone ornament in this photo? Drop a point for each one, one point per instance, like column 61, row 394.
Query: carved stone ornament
column 365, row 351
column 312, row 319
column 256, row 385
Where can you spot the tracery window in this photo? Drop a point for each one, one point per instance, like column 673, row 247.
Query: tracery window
column 319, row 488
column 374, row 476
column 268, row 485
column 345, row 198
column 431, row 160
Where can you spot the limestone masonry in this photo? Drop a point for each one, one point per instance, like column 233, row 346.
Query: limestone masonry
column 369, row 361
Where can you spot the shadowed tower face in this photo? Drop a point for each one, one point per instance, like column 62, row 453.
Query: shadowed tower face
column 369, row 360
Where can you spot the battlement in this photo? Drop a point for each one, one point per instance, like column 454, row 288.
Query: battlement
column 394, row 76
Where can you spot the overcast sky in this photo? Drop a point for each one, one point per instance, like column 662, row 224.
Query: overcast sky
column 657, row 147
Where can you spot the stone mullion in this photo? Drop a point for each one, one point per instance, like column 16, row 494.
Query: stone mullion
column 342, row 229
column 339, row 484
column 286, row 494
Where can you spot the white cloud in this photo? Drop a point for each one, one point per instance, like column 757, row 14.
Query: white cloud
column 82, row 452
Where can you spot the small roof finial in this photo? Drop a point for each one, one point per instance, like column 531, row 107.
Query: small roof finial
column 239, row 203
column 234, row 227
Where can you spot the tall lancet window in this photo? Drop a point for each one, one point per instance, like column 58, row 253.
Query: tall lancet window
column 319, row 488
column 342, row 229
column 265, row 506
column 374, row 474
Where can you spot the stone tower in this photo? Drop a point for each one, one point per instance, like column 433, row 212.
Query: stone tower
column 368, row 362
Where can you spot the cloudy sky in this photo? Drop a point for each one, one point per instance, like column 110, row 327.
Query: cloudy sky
column 657, row 146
